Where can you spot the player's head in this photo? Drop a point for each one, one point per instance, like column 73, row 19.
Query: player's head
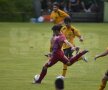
column 67, row 21
column 55, row 6
column 56, row 29
column 59, row 84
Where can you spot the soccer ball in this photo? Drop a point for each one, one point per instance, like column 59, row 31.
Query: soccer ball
column 60, row 76
column 36, row 77
column 40, row 19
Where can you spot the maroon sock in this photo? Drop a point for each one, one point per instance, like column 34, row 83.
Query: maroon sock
column 42, row 75
column 75, row 58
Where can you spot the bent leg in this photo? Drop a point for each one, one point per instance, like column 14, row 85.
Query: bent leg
column 43, row 73
column 64, row 70
column 68, row 53
column 104, row 81
column 76, row 57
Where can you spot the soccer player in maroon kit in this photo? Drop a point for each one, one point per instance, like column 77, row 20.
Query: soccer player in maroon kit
column 105, row 77
column 57, row 53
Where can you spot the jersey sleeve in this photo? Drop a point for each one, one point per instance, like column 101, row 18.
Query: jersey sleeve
column 63, row 14
column 52, row 16
column 63, row 38
column 76, row 32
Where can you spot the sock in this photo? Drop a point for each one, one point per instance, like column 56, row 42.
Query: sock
column 42, row 75
column 64, row 70
column 76, row 58
column 103, row 85
column 80, row 59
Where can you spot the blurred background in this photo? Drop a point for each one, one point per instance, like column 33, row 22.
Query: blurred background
column 31, row 10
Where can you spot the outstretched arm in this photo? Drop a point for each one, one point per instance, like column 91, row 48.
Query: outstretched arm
column 101, row 54
column 81, row 38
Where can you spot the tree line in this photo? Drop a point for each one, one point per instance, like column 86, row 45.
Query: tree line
column 16, row 10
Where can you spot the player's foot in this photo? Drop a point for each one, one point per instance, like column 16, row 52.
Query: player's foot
column 60, row 76
column 84, row 59
column 84, row 52
column 36, row 82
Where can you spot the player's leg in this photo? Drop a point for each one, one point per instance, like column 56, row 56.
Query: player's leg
column 68, row 53
column 81, row 58
column 64, row 70
column 72, row 60
column 64, row 65
column 104, row 81
column 43, row 73
column 76, row 57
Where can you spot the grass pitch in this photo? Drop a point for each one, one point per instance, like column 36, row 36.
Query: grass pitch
column 22, row 49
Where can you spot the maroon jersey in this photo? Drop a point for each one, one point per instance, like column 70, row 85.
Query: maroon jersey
column 58, row 42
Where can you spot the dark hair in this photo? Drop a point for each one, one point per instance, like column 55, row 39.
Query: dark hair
column 59, row 83
column 56, row 4
column 57, row 27
column 67, row 20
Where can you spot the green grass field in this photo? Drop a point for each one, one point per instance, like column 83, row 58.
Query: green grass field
column 22, row 49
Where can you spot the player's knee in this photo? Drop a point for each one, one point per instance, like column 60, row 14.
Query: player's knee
column 106, row 76
column 45, row 67
column 68, row 63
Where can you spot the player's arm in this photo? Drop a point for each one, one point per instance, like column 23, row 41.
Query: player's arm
column 68, row 43
column 101, row 54
column 78, row 34
column 52, row 17
column 51, row 43
column 81, row 39
column 63, row 15
column 51, row 48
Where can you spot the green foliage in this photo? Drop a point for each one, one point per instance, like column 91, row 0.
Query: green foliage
column 16, row 10
column 106, row 0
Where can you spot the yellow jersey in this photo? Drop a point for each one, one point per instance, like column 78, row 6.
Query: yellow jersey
column 58, row 16
column 70, row 34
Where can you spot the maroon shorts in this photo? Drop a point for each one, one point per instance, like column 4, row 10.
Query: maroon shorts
column 58, row 56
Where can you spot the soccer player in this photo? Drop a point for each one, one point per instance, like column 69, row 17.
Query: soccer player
column 57, row 16
column 105, row 78
column 70, row 33
column 57, row 53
